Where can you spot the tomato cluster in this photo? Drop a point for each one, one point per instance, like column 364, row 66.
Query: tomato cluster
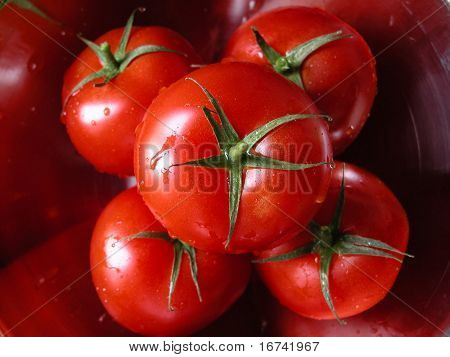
column 234, row 166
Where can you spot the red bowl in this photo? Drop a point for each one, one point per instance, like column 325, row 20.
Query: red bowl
column 46, row 188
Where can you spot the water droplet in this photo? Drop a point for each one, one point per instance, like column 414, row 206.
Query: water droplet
column 33, row 109
column 106, row 111
column 142, row 9
column 102, row 317
column 103, row 289
column 251, row 4
column 41, row 281
column 350, row 131
column 332, row 165
column 63, row 33
column 316, row 260
column 34, row 63
column 93, row 123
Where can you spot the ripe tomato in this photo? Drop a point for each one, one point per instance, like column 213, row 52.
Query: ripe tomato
column 140, row 282
column 44, row 186
column 389, row 318
column 101, row 114
column 48, row 291
column 338, row 71
column 242, row 199
column 350, row 264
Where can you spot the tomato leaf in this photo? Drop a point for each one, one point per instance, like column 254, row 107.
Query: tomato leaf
column 289, row 65
column 337, row 216
column 231, row 134
column 235, row 191
column 218, row 162
column 269, row 52
column 326, row 255
column 235, row 153
column 269, row 163
column 177, row 257
column 344, row 248
column 301, row 251
column 297, row 55
column 257, row 134
column 28, row 5
column 194, row 269
column 150, row 235
column 143, row 50
column 114, row 64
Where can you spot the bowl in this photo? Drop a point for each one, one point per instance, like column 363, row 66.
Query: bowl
column 50, row 196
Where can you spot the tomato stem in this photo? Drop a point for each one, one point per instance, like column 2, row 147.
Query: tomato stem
column 236, row 153
column 290, row 64
column 328, row 240
column 179, row 249
column 114, row 64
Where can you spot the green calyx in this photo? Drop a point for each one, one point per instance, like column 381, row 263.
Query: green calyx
column 236, row 153
column 179, row 248
column 290, row 64
column 329, row 241
column 114, row 64
column 27, row 5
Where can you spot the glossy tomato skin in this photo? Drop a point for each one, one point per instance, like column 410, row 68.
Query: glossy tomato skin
column 44, row 185
column 356, row 282
column 340, row 77
column 48, row 291
column 192, row 202
column 132, row 279
column 101, row 121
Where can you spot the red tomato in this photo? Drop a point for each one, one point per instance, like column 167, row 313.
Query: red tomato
column 389, row 318
column 48, row 291
column 101, row 121
column 339, row 76
column 132, row 276
column 356, row 281
column 44, row 186
column 205, row 206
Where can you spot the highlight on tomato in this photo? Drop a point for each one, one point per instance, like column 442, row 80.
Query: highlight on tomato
column 350, row 255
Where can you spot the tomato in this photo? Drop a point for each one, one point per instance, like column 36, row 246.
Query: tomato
column 338, row 72
column 389, row 318
column 44, row 186
column 350, row 264
column 136, row 278
column 243, row 198
column 48, row 291
column 101, row 115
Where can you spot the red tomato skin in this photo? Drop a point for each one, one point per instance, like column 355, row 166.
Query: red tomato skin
column 133, row 283
column 48, row 291
column 44, row 186
column 251, row 95
column 356, row 282
column 340, row 77
column 101, row 121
